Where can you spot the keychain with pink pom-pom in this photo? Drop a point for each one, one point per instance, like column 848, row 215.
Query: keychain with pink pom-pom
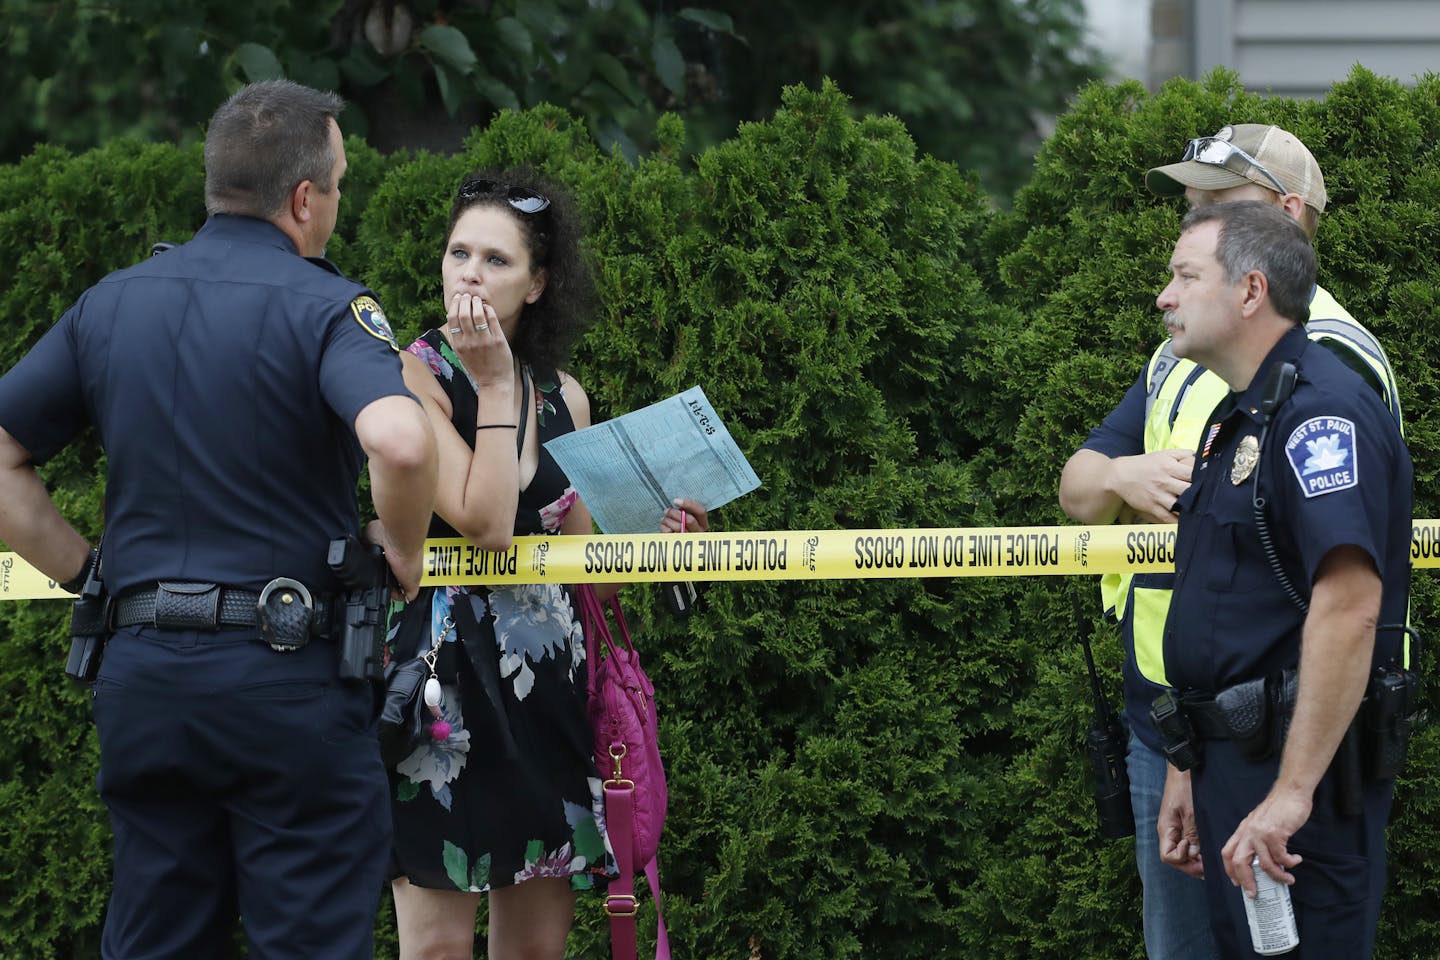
column 434, row 698
column 434, row 695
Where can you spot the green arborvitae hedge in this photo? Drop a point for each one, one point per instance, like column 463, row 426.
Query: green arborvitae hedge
column 881, row 768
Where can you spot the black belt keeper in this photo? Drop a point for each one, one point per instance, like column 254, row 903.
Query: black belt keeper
column 177, row 605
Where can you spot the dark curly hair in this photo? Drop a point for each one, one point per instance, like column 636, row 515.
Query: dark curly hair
column 550, row 326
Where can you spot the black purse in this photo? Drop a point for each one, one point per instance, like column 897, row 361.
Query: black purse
column 410, row 712
column 402, row 716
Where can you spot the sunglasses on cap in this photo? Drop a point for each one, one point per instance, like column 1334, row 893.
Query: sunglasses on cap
column 1223, row 153
column 521, row 198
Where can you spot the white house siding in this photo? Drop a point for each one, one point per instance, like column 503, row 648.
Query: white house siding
column 1299, row 48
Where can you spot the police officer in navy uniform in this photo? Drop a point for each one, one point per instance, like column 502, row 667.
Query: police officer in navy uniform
column 1135, row 465
column 238, row 383
column 1332, row 470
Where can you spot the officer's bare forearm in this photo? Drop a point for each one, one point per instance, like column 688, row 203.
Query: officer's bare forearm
column 402, row 504
column 401, row 446
column 30, row 524
column 1336, row 649
column 404, row 496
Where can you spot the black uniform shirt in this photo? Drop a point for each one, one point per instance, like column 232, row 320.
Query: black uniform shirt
column 1334, row 471
column 224, row 377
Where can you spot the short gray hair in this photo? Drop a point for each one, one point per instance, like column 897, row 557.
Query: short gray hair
column 1260, row 236
column 265, row 140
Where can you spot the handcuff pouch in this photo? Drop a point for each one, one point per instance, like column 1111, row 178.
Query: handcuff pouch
column 284, row 612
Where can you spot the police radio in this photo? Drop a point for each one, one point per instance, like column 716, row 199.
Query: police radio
column 1279, row 384
column 1390, row 710
column 1105, row 746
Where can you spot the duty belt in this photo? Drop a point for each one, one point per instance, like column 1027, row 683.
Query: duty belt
column 172, row 605
column 1206, row 718
column 1255, row 714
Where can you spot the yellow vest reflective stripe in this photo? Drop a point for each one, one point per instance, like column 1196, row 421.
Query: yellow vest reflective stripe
column 1333, row 328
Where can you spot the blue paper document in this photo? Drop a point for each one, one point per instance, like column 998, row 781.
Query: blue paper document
column 628, row 470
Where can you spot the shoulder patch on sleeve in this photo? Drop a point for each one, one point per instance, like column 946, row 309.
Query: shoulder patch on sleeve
column 369, row 315
column 1321, row 451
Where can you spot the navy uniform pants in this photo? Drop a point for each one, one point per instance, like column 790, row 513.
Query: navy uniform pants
column 239, row 781
column 1338, row 887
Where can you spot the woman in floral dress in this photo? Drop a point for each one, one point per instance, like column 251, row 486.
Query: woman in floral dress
column 508, row 804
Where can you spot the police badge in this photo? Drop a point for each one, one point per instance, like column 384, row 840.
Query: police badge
column 1246, row 456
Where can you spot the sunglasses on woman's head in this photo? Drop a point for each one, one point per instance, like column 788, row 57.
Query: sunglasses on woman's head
column 521, row 198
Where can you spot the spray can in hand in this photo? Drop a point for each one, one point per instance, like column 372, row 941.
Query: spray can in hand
column 1271, row 916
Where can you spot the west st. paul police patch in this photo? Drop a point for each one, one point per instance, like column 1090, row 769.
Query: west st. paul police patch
column 369, row 315
column 1322, row 454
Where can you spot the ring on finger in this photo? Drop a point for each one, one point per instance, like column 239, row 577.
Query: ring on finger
column 482, row 326
column 454, row 329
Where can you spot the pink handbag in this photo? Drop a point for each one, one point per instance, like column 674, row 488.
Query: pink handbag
column 621, row 708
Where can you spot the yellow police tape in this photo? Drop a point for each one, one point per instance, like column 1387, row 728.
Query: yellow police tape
column 788, row 555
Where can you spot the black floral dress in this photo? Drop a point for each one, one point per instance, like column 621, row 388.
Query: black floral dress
column 513, row 792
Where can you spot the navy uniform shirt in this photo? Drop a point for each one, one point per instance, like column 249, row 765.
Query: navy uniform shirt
column 223, row 377
column 1334, row 471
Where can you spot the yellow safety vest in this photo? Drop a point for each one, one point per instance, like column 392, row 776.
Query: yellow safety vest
column 1178, row 406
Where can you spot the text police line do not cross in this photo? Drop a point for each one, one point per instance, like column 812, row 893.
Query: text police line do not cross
column 788, row 555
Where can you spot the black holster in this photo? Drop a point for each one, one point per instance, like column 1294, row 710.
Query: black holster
column 1245, row 709
column 91, row 624
column 1349, row 779
column 1257, row 713
column 364, row 608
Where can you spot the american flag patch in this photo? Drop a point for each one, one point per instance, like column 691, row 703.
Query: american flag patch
column 1209, row 439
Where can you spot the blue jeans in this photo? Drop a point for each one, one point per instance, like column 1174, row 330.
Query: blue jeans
column 1176, row 914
